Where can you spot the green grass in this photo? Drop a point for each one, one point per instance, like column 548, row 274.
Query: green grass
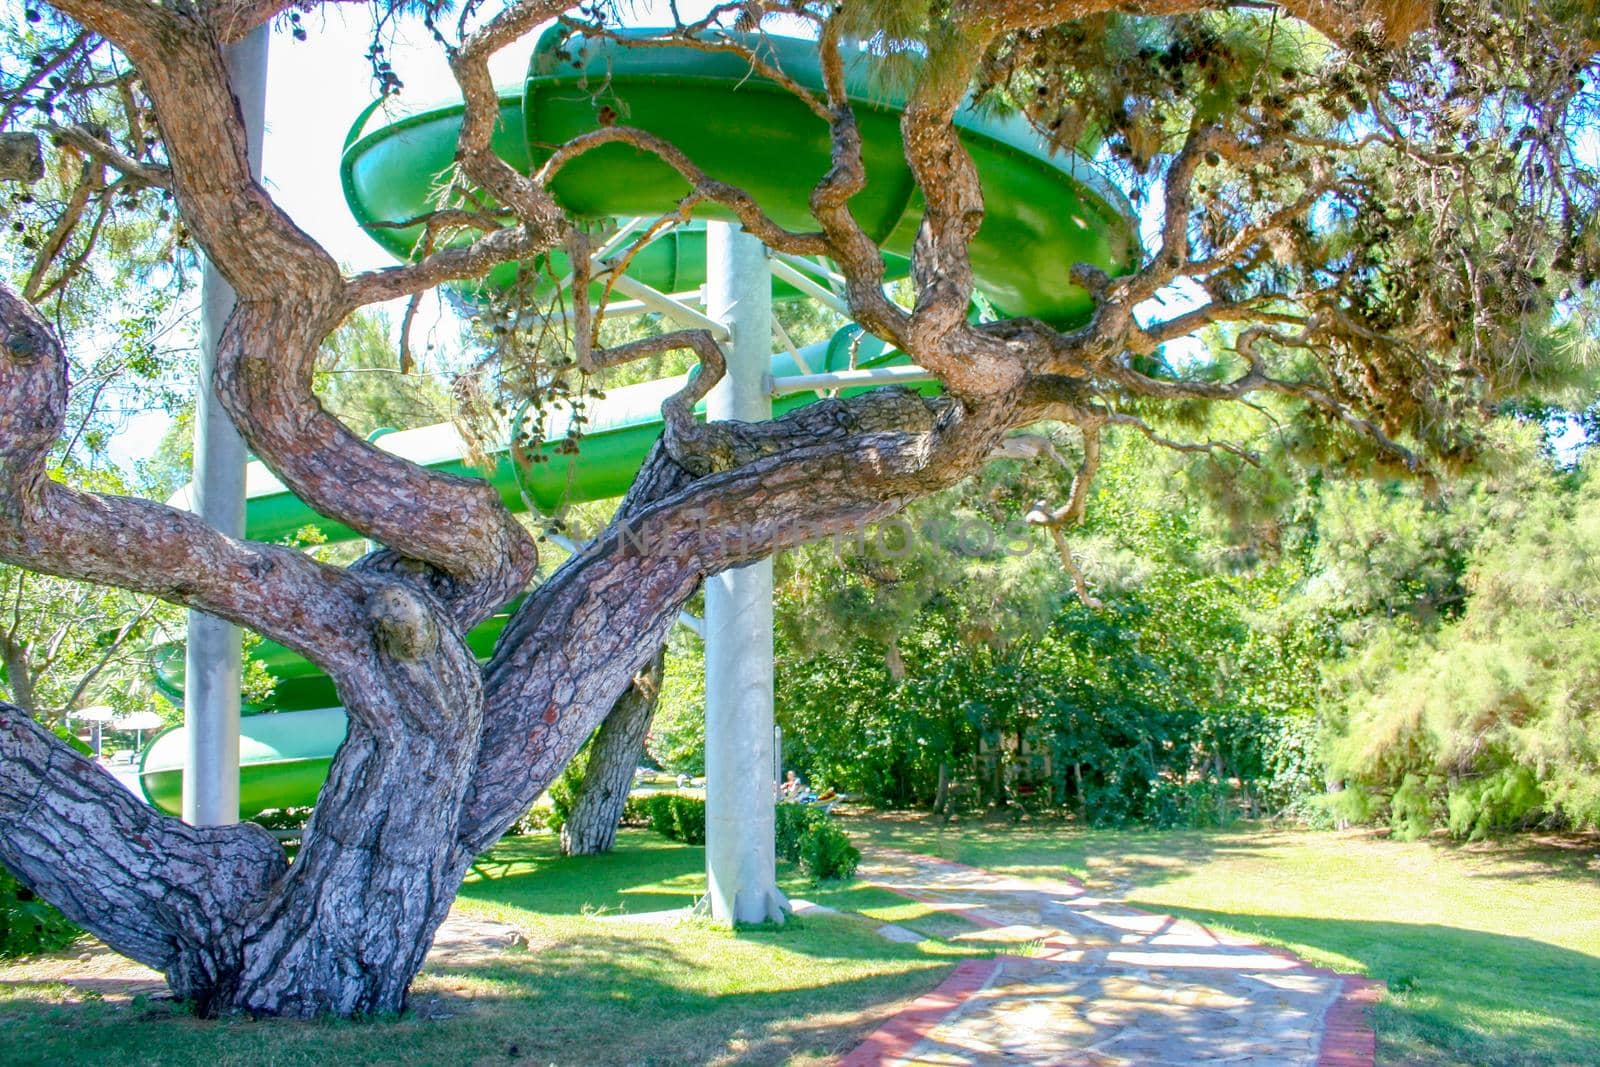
column 1491, row 953
column 592, row 990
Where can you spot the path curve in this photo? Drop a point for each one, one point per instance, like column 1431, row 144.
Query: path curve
column 1107, row 984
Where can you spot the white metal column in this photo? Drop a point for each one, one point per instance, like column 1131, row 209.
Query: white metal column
column 213, row 661
column 740, row 861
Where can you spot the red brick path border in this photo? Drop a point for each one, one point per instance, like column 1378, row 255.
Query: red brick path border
column 900, row 1034
column 1347, row 1036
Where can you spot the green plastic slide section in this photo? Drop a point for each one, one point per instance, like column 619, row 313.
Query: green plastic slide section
column 297, row 683
column 283, row 761
column 618, row 432
column 1044, row 214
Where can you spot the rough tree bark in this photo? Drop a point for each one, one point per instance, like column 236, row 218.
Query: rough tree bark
column 442, row 755
column 613, row 757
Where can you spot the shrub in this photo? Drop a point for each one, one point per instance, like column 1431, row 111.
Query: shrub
column 1413, row 807
column 1199, row 805
column 658, row 813
column 27, row 924
column 636, row 811
column 564, row 791
column 1496, row 803
column 535, row 821
column 791, row 822
column 689, row 820
column 826, row 852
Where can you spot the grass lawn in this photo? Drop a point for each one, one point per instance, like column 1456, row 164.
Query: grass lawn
column 1491, row 953
column 591, row 991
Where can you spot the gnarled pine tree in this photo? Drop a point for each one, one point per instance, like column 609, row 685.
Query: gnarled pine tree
column 1371, row 200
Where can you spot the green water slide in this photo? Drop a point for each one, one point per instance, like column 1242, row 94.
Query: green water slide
column 1044, row 213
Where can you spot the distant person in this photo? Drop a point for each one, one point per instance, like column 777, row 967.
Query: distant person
column 791, row 788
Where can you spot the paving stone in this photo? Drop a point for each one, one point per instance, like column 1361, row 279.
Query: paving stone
column 1113, row 985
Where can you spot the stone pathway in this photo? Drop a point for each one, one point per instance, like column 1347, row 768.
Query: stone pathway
column 1103, row 983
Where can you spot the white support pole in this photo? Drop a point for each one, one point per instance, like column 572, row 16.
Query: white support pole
column 741, row 875
column 213, row 659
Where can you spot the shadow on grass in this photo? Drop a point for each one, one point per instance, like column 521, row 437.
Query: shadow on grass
column 597, row 997
column 1455, row 996
column 1569, row 857
column 761, row 996
column 592, row 990
column 647, row 873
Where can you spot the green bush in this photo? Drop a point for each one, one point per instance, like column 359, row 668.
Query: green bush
column 689, row 820
column 791, row 823
column 1413, row 809
column 826, row 853
column 564, row 791
column 1203, row 804
column 27, row 924
column 1497, row 803
column 673, row 816
column 537, row 820
column 657, row 810
column 636, row 811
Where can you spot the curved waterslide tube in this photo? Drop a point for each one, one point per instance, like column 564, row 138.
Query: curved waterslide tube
column 1045, row 213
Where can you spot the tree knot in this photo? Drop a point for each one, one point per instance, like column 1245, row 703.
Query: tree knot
column 402, row 622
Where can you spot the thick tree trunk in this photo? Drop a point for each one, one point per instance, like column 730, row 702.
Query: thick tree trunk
column 592, row 826
column 347, row 929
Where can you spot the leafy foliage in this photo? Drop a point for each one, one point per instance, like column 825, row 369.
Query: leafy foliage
column 1178, row 703
column 679, row 817
column 1486, row 724
column 826, row 853
column 791, row 823
column 27, row 924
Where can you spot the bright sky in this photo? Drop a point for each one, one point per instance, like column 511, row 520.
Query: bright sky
column 317, row 87
column 315, row 90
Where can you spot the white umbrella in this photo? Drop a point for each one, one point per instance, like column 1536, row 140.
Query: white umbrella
column 139, row 722
column 98, row 715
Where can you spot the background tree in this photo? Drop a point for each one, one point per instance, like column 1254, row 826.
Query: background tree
column 1378, row 205
column 597, row 806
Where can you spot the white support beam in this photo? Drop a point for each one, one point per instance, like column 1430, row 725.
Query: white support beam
column 835, row 280
column 823, row 295
column 852, row 379
column 679, row 312
column 617, row 309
